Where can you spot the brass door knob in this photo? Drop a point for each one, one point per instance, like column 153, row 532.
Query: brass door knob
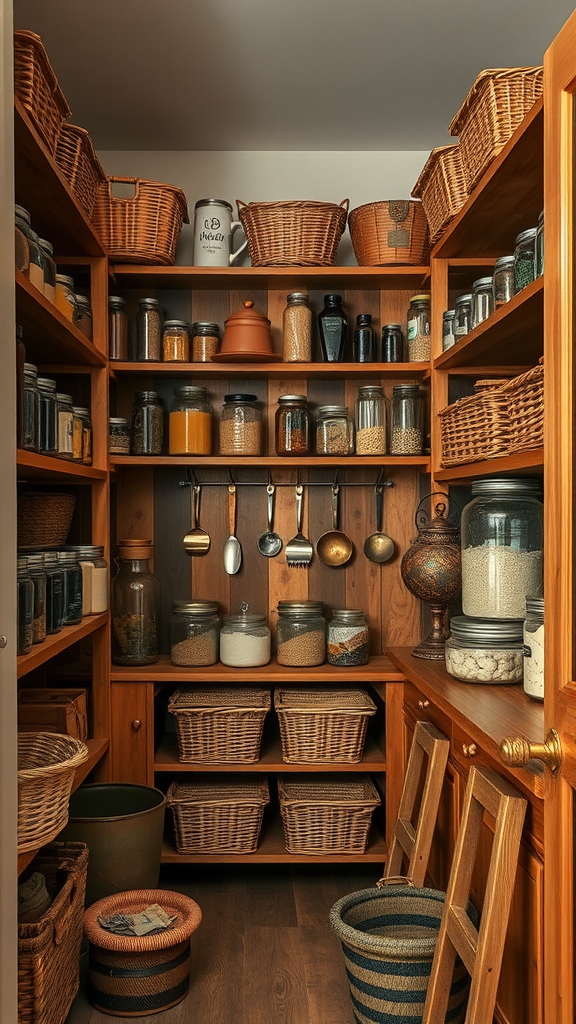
column 469, row 749
column 423, row 704
column 515, row 751
column 136, row 724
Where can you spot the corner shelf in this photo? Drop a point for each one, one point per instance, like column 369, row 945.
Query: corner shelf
column 45, row 467
column 270, row 760
column 519, row 464
column 43, row 322
column 58, row 642
column 378, row 670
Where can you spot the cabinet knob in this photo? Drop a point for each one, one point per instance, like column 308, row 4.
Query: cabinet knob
column 423, row 704
column 136, row 724
column 515, row 751
column 469, row 749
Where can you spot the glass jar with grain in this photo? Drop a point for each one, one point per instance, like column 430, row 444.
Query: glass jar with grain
column 190, row 422
column 176, row 341
column 83, row 315
column 503, row 281
column 297, row 329
column 148, row 342
column 65, row 426
column 118, row 436
column 85, row 439
column 205, row 341
column 293, row 426
column 334, row 431
column 147, row 423
column 407, row 436
column 117, row 328
column 240, row 426
column 370, row 421
column 194, row 633
column 135, row 606
column 301, row 634
column 64, row 298
column 418, row 329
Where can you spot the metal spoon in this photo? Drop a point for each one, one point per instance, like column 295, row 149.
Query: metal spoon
column 232, row 553
column 379, row 547
column 196, row 541
column 334, row 547
column 269, row 543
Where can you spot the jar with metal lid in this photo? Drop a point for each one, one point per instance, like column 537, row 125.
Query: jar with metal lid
column 462, row 315
column 502, row 547
column 534, row 648
column 407, row 433
column 205, row 341
column 37, row 573
column 82, row 435
column 35, row 271
column 83, row 315
column 448, row 336
column 297, row 329
column 370, row 417
column 65, row 298
column 147, row 423
column 49, row 269
column 300, row 634
column 148, row 341
column 240, row 426
column 65, row 426
column 483, row 302
column 348, row 638
column 293, row 426
column 176, row 341
column 333, row 329
column 94, row 571
column 244, row 640
column 540, row 245
column 29, row 439
column 392, row 346
column 364, row 341
column 25, row 608
column 418, row 329
column 525, row 259
column 334, row 431
column 503, row 281
column 72, row 591
column 190, row 422
column 54, row 592
column 118, row 436
column 194, row 633
column 117, row 328
column 47, row 416
column 20, row 361
column 135, row 606
column 484, row 650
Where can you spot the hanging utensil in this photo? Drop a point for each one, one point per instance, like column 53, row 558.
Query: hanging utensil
column 334, row 547
column 299, row 550
column 196, row 541
column 269, row 543
column 232, row 553
column 379, row 547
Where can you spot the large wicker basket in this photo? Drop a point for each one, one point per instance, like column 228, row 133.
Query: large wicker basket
column 218, row 816
column 323, row 816
column 143, row 228
column 525, row 399
column 221, row 725
column 476, row 427
column 389, row 232
column 319, row 726
column 293, row 233
column 44, row 519
column 47, row 763
column 37, row 88
column 442, row 188
column 492, row 111
column 76, row 158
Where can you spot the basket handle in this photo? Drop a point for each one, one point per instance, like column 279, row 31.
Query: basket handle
column 124, row 181
column 345, row 205
column 240, row 203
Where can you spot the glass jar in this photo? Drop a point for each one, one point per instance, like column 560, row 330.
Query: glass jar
column 244, row 640
column 65, row 299
column 65, row 426
column 54, row 592
column 176, row 341
column 82, row 438
column 484, row 650
column 418, row 329
column 448, row 337
column 148, row 341
column 118, row 436
column 502, row 544
column 194, row 633
column 333, row 327
column 49, row 269
column 35, row 256
column 20, row 361
column 147, row 423
column 83, row 315
column 462, row 316
column 293, row 426
column 370, row 416
column 117, row 328
column 25, row 607
column 72, row 588
column 407, row 435
column 77, row 429
column 503, row 281
column 525, row 259
column 540, row 245
column 190, row 422
column 240, row 426
column 483, row 303
column 534, row 648
column 392, row 344
column 205, row 341
column 47, row 416
column 364, row 342
column 297, row 329
column 94, row 577
column 29, row 439
column 38, row 575
column 300, row 634
column 334, row 431
column 135, row 606
column 348, row 638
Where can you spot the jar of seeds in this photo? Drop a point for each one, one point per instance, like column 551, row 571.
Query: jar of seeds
column 244, row 640
column 418, row 329
column 194, row 633
column 334, row 431
column 525, row 259
column 205, row 341
column 135, row 606
column 407, row 436
column 297, row 329
column 148, row 332
column 293, row 426
column 503, row 281
column 176, row 341
column 240, row 426
column 370, row 418
column 483, row 303
column 301, row 634
column 348, row 638
column 118, row 436
column 147, row 423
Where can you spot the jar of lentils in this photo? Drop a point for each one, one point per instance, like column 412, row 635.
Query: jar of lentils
column 370, row 418
column 503, row 281
column 334, row 431
column 194, row 633
column 297, row 329
column 205, row 341
column 348, row 638
column 293, row 426
column 240, row 426
column 301, row 634
column 525, row 259
column 418, row 329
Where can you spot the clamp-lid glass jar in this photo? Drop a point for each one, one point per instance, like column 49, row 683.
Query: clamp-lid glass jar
column 484, row 650
column 525, row 259
column 240, row 426
column 194, row 633
column 147, row 423
column 334, row 431
column 407, row 436
column 293, row 426
column 301, row 634
column 244, row 640
column 418, row 329
column 297, row 329
column 534, row 648
column 370, row 416
column 348, row 638
column 176, row 341
column 190, row 422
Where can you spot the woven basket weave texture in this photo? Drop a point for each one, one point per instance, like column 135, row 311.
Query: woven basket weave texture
column 47, row 763
column 390, row 232
column 44, row 519
column 476, row 427
column 143, row 228
column 220, row 725
column 442, row 188
column 218, row 816
column 322, row 725
column 36, row 86
column 76, row 158
column 323, row 816
column 293, row 233
column 525, row 397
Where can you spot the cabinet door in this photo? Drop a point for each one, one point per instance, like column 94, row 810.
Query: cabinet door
column 132, row 733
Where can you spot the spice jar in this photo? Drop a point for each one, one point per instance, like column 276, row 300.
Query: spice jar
column 525, row 259
column 148, row 332
column 35, row 256
column 484, row 650
column 147, row 423
column 37, row 574
column 534, row 648
column 176, row 341
column 83, row 444
column 194, row 633
column 333, row 327
column 20, row 361
column 94, row 577
column 135, row 606
column 540, row 245
column 503, row 281
column 65, row 299
column 364, row 343
column 117, row 328
column 205, row 341
column 392, row 344
column 418, row 329
column 190, row 422
column 293, row 426
column 462, row 315
column 300, row 634
column 407, row 420
column 370, row 418
column 297, row 329
column 65, row 426
column 83, row 315
column 483, row 301
column 72, row 588
column 240, row 426
column 502, row 543
column 47, row 416
column 25, row 607
column 49, row 269
column 244, row 640
column 29, row 439
column 348, row 638
column 77, row 427
column 54, row 592
column 334, row 431
column 118, row 436
column 448, row 337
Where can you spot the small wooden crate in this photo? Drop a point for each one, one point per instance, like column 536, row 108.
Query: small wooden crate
column 442, row 188
column 525, row 397
column 219, row 725
column 36, row 86
column 319, row 725
column 218, row 816
column 53, row 710
column 476, row 427
column 323, row 816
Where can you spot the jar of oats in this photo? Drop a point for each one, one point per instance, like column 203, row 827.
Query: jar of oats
column 240, row 426
column 297, row 329
column 301, row 633
column 334, row 431
column 370, row 421
column 194, row 633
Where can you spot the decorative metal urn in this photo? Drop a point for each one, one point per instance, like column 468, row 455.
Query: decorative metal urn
column 431, row 570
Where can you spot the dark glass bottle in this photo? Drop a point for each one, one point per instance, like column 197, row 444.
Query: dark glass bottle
column 364, row 347
column 392, row 345
column 333, row 329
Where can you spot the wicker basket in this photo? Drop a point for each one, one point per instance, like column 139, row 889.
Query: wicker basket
column 218, row 816
column 219, row 725
column 492, row 111
column 393, row 231
column 77, row 160
column 476, row 427
column 442, row 188
column 46, row 765
column 296, row 233
column 323, row 725
column 49, row 949
column 525, row 398
column 144, row 228
column 324, row 816
column 37, row 88
column 44, row 519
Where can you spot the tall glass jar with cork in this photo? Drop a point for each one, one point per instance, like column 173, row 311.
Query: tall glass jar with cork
column 135, row 606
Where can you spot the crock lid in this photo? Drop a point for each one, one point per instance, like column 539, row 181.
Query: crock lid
column 247, row 315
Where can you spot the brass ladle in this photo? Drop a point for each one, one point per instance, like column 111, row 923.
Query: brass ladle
column 379, row 547
column 334, row 547
column 196, row 541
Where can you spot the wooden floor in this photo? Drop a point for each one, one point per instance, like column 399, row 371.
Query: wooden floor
column 265, row 952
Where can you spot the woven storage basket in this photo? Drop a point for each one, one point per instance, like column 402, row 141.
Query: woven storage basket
column 293, row 233
column 44, row 519
column 217, row 816
column 525, row 398
column 492, row 111
column 144, row 228
column 388, row 939
column 392, row 231
column 476, row 427
column 323, row 816
column 77, row 160
column 36, row 86
column 49, row 949
column 442, row 188
column 323, row 725
column 133, row 976
column 219, row 725
column 46, row 765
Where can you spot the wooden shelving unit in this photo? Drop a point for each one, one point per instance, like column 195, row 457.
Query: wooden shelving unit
column 58, row 642
column 274, row 371
column 128, row 276
column 520, row 464
column 379, row 669
column 50, row 332
column 270, row 760
column 33, row 466
column 351, row 461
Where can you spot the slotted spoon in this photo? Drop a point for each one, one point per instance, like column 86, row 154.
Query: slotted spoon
column 299, row 550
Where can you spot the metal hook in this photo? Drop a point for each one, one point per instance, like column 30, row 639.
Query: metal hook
column 335, row 481
column 232, row 480
column 270, row 480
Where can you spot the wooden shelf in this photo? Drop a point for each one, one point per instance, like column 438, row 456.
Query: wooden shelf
column 166, row 760
column 274, row 371
column 519, row 464
column 58, row 642
column 319, row 461
column 47, row 330
column 128, row 276
column 379, row 669
column 44, row 467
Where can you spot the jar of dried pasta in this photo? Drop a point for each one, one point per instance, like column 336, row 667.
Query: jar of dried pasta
column 297, row 329
column 240, row 426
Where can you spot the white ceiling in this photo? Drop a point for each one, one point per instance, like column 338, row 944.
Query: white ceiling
column 280, row 74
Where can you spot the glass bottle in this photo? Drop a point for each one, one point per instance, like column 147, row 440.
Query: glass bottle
column 65, row 426
column 525, row 259
column 240, row 426
column 334, row 431
column 25, row 607
column 462, row 315
column 407, row 436
column 37, row 573
column 54, row 592
column 190, row 422
column 148, row 332
column 297, row 329
column 244, row 640
column 293, row 426
column 503, row 281
column 72, row 588
column 135, row 606
column 484, row 651
column 364, row 343
column 534, row 648
column 47, row 416
column 117, row 328
column 370, row 416
column 29, row 439
column 118, row 436
column 205, row 341
column 418, row 329
column 448, row 337
column 65, row 299
column 176, row 341
column 483, row 302
column 147, row 423
column 77, row 429
column 333, row 327
column 348, row 638
column 49, row 269
column 194, row 633
column 300, row 634
column 540, row 245
column 392, row 344
column 83, row 315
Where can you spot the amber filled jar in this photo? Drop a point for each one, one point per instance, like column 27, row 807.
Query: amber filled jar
column 83, row 315
column 293, row 426
column 64, row 298
column 240, row 426
column 82, row 446
column 117, row 328
column 205, row 341
column 176, row 341
column 297, row 329
column 49, row 269
column 190, row 422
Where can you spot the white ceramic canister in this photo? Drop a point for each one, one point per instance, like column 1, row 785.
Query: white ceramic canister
column 213, row 231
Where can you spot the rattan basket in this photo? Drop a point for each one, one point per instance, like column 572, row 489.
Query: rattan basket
column 323, row 816
column 442, row 188
column 492, row 111
column 525, row 398
column 36, row 86
column 293, row 233
column 77, row 160
column 319, row 726
column 476, row 427
column 143, row 228
column 389, row 232
column 44, row 519
column 218, row 816
column 220, row 725
column 47, row 763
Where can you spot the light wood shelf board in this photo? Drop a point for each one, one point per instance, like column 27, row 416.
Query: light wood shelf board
column 166, row 760
column 379, row 669
column 128, row 276
column 519, row 464
column 58, row 642
column 274, row 371
column 210, row 461
column 38, row 467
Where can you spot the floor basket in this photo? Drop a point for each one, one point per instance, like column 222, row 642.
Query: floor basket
column 388, row 939
column 319, row 725
column 133, row 976
column 36, row 86
column 293, row 233
column 322, row 816
column 218, row 816
column 47, row 763
column 476, row 427
column 220, row 725
column 144, row 227
column 49, row 949
column 44, row 519
column 389, row 232
column 77, row 160
column 442, row 188
column 525, row 397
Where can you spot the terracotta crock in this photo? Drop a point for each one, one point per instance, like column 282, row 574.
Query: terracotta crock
column 246, row 337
